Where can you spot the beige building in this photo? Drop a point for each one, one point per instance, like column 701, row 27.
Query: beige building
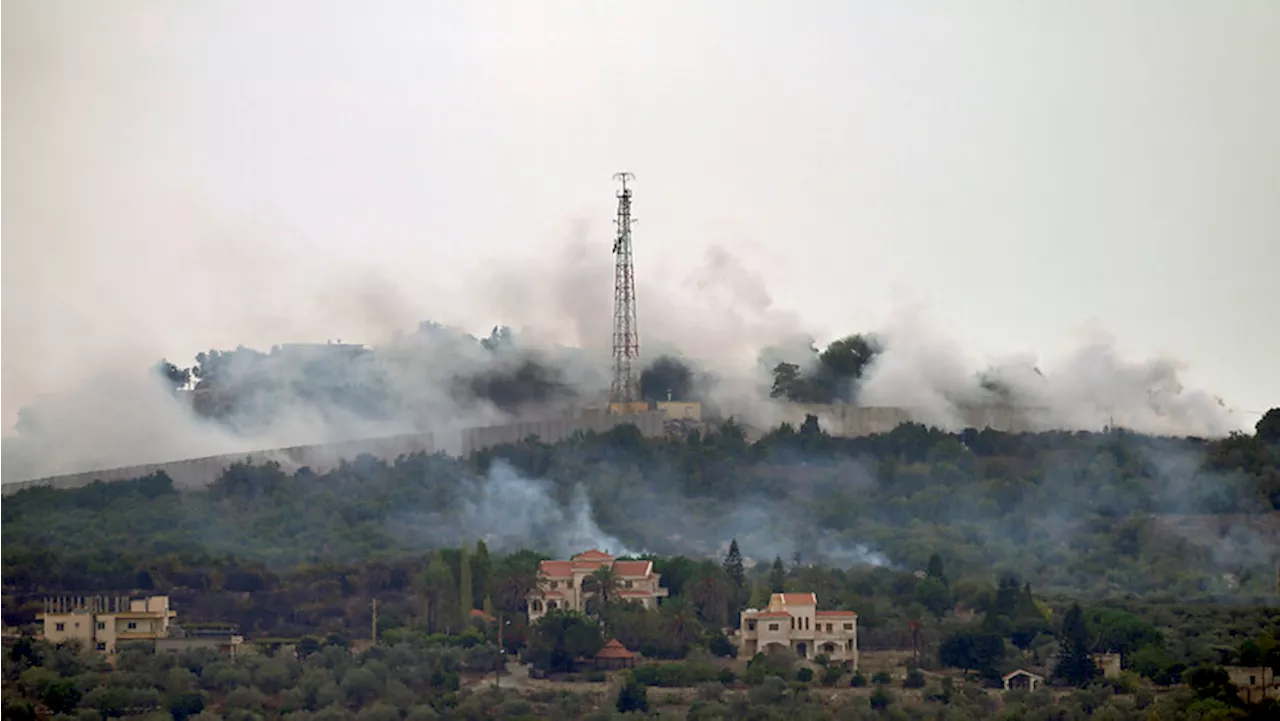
column 101, row 623
column 793, row 621
column 560, row 583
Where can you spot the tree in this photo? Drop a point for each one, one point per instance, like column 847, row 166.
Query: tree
column 1268, row 428
column 560, row 637
column 1075, row 666
column 972, row 650
column 440, row 592
column 734, row 567
column 713, row 593
column 786, row 379
column 935, row 570
column 778, row 576
column 603, row 585
column 632, row 696
column 466, row 601
column 934, row 595
column 481, row 575
column 173, row 376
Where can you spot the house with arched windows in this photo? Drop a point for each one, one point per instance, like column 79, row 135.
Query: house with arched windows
column 793, row 621
column 565, row 584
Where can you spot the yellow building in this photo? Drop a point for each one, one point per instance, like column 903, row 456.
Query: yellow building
column 793, row 621
column 101, row 622
column 561, row 583
column 626, row 409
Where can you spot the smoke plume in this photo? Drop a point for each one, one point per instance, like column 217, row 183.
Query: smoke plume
column 511, row 512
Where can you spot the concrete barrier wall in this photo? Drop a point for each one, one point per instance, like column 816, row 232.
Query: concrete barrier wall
column 837, row 419
column 199, row 472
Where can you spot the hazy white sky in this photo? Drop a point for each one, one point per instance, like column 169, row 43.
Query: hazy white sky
column 179, row 176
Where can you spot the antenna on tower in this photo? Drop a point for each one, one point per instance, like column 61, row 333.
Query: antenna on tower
column 626, row 340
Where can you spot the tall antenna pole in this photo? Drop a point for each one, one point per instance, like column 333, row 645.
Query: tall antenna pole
column 626, row 340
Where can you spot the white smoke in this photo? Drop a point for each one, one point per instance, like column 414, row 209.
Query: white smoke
column 511, row 512
column 1088, row 388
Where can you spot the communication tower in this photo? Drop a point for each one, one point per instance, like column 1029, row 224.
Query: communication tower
column 624, row 394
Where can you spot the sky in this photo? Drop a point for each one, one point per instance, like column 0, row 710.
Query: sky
column 186, row 176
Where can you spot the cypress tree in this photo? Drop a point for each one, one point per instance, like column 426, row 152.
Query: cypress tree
column 466, row 600
column 1075, row 666
column 733, row 566
column 778, row 576
column 481, row 572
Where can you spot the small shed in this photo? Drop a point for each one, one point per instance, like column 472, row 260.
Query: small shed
column 614, row 656
column 1023, row 680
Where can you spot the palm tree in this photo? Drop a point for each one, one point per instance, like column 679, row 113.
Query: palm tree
column 681, row 621
column 712, row 591
column 603, row 585
column 513, row 587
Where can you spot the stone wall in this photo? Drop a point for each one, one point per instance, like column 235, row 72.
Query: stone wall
column 198, row 472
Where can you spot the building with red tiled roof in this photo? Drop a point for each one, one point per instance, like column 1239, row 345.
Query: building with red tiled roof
column 793, row 621
column 560, row 583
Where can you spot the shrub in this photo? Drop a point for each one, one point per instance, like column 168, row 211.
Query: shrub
column 881, row 677
column 804, row 675
column 858, row 680
column 914, row 679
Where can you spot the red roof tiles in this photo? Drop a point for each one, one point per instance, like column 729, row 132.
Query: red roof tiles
column 613, row 649
column 559, row 569
column 633, row 568
column 799, row 599
column 852, row 614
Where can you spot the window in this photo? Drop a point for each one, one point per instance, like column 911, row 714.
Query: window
column 102, row 646
column 555, row 585
column 830, row 628
column 848, row 627
column 626, row 584
column 102, row 625
column 773, row 627
column 133, row 625
column 751, row 625
column 551, row 605
column 60, row 626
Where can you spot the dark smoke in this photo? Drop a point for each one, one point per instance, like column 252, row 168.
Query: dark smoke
column 528, row 385
column 667, row 376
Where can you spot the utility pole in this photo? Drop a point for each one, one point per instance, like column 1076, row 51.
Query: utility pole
column 374, row 634
column 502, row 659
column 626, row 340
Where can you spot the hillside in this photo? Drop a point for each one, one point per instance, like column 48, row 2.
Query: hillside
column 1080, row 513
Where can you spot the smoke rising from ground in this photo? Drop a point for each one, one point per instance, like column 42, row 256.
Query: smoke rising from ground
column 717, row 330
column 511, row 512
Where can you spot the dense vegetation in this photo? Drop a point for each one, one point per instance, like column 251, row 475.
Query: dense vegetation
column 972, row 550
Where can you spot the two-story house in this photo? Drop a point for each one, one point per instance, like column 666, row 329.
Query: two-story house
column 561, row 583
column 100, row 623
column 793, row 621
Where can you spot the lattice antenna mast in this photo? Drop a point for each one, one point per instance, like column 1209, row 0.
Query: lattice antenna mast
column 626, row 339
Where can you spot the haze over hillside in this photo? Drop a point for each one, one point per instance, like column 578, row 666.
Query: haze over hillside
column 277, row 177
